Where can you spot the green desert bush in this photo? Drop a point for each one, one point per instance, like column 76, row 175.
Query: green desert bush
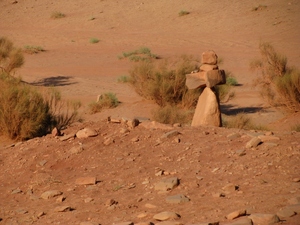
column 94, row 40
column 123, row 79
column 106, row 100
column 141, row 54
column 164, row 82
column 57, row 15
column 279, row 84
column 30, row 49
column 10, row 56
column 183, row 13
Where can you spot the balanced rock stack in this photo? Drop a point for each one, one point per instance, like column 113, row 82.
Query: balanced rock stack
column 208, row 107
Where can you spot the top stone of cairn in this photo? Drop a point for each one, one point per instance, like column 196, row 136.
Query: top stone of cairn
column 209, row 57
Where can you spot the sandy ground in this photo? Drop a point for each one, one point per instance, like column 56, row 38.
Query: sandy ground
column 82, row 70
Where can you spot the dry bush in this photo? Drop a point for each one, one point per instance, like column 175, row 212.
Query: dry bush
column 165, row 82
column 279, row 84
column 23, row 112
column 63, row 112
column 172, row 114
column 105, row 101
column 241, row 121
column 10, row 56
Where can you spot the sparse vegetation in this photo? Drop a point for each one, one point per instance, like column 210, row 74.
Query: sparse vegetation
column 259, row 7
column 25, row 112
column 106, row 100
column 10, row 56
column 183, row 13
column 224, row 91
column 141, row 54
column 241, row 121
column 165, row 82
column 171, row 114
column 123, row 79
column 30, row 49
column 63, row 112
column 94, row 40
column 279, row 84
column 57, row 15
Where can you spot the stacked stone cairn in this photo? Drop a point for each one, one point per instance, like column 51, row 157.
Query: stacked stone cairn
column 208, row 107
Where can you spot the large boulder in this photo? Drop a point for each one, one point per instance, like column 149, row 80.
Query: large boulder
column 208, row 110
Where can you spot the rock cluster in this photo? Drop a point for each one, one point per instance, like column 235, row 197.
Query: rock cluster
column 208, row 108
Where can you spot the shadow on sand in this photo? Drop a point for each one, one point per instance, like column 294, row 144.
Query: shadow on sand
column 54, row 81
column 230, row 110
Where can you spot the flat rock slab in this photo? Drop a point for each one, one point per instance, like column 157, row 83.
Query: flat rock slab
column 241, row 221
column 86, row 132
column 176, row 199
column 86, row 181
column 236, row 214
column 254, row 142
column 88, row 223
column 285, row 212
column 63, row 209
column 124, row 223
column 50, row 194
column 259, row 218
column 166, row 216
column 208, row 223
column 169, row 223
column 167, row 184
column 295, row 208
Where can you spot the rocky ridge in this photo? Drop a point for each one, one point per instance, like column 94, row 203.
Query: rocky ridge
column 123, row 172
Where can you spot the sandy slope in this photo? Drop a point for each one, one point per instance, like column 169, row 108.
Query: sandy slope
column 83, row 70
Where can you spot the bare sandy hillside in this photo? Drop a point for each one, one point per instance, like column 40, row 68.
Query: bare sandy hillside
column 204, row 160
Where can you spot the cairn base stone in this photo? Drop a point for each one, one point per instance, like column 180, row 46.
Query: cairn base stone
column 207, row 111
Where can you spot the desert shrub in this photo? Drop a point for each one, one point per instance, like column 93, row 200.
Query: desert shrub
column 63, row 112
column 279, row 84
column 10, row 56
column 23, row 112
column 259, row 7
column 224, row 91
column 241, row 121
column 106, row 100
column 164, row 83
column 141, row 54
column 183, row 13
column 94, row 40
column 30, row 49
column 57, row 15
column 172, row 114
column 123, row 79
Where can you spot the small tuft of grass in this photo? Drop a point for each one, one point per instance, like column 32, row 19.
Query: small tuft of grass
column 106, row 100
column 141, row 54
column 30, row 49
column 57, row 15
column 172, row 114
column 123, row 79
column 94, row 40
column 241, row 121
column 259, row 8
column 183, row 13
